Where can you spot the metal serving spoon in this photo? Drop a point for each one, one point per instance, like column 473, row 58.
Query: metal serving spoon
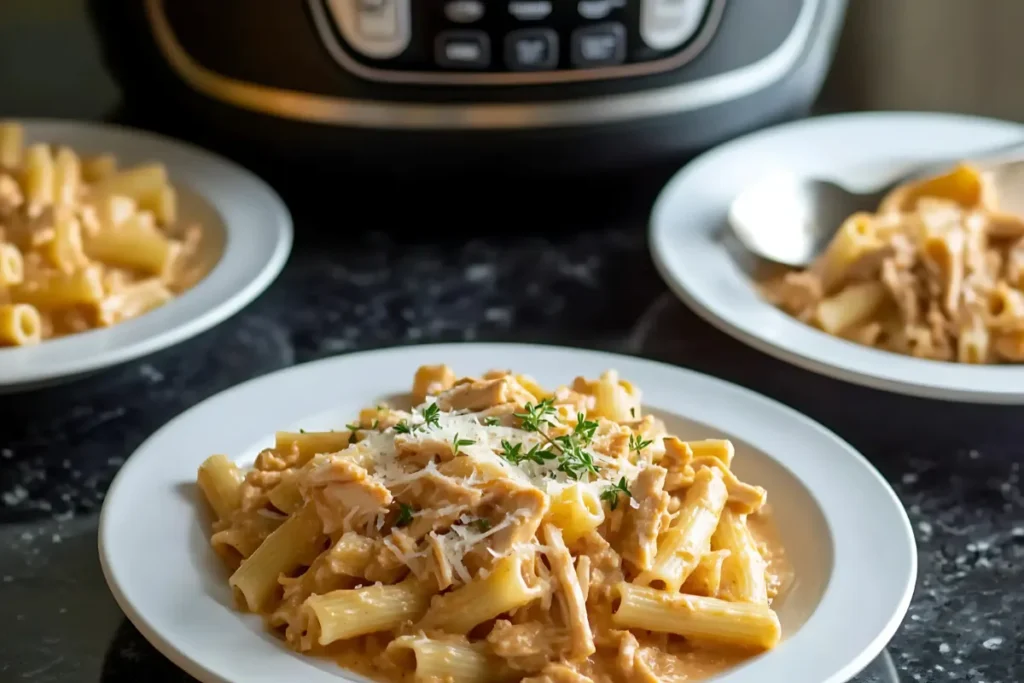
column 790, row 220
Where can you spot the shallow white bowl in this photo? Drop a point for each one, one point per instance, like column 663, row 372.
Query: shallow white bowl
column 709, row 271
column 848, row 537
column 247, row 236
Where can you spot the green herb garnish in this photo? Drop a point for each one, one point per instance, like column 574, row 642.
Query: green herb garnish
column 515, row 455
column 458, row 443
column 431, row 414
column 481, row 524
column 404, row 514
column 492, row 421
column 611, row 494
column 403, row 428
column 537, row 415
column 638, row 443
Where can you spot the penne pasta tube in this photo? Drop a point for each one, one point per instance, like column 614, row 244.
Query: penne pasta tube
column 133, row 300
column 686, row 541
column 345, row 614
column 65, row 250
column 38, row 175
column 720, row 449
column 220, row 480
column 67, row 177
column 576, row 511
column 706, row 579
column 311, row 443
column 447, row 660
column 98, row 167
column 856, row 237
column 851, row 306
column 20, row 325
column 738, row 624
column 743, row 569
column 12, row 137
column 292, row 544
column 61, row 290
column 164, row 205
column 12, row 265
column 503, row 590
column 139, row 183
column 137, row 244
column 286, row 496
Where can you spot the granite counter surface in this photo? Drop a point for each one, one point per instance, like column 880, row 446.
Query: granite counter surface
column 955, row 467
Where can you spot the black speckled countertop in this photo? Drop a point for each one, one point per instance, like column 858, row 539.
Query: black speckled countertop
column 514, row 269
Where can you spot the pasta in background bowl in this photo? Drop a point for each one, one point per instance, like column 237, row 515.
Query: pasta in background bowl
column 501, row 531
column 937, row 272
column 85, row 244
column 244, row 239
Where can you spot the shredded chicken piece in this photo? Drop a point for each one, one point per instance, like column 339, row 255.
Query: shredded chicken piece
column 526, row 647
column 526, row 504
column 575, row 603
column 442, row 567
column 483, row 394
column 558, row 673
column 644, row 523
column 677, row 460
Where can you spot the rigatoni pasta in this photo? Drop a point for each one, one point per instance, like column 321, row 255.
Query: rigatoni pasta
column 498, row 531
column 937, row 272
column 83, row 244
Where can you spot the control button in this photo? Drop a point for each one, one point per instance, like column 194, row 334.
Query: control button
column 464, row 49
column 379, row 29
column 667, row 24
column 464, row 11
column 531, row 49
column 599, row 45
column 529, row 10
column 598, row 9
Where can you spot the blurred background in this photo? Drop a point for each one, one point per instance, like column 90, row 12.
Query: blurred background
column 942, row 55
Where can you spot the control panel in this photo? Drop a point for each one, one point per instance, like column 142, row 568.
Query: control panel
column 513, row 41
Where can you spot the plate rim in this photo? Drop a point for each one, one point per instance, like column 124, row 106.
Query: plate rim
column 894, row 520
column 821, row 353
column 43, row 364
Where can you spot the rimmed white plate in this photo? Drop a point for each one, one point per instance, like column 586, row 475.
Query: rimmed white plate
column 246, row 240
column 842, row 526
column 689, row 242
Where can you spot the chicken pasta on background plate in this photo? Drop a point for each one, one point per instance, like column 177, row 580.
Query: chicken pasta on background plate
column 83, row 244
column 493, row 530
column 937, row 272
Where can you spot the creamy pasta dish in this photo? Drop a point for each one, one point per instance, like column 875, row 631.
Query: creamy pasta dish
column 498, row 531
column 82, row 244
column 937, row 272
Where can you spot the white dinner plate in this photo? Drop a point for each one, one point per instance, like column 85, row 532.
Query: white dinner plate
column 247, row 234
column 844, row 529
column 707, row 269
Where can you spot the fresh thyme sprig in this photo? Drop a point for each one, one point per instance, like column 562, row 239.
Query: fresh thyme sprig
column 482, row 524
column 431, row 418
column 612, row 493
column 514, row 453
column 404, row 514
column 538, row 415
column 458, row 443
column 574, row 461
column 637, row 443
column 491, row 421
column 431, row 414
